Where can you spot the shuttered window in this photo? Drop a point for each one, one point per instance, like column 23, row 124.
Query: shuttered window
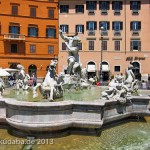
column 50, row 13
column 135, row 45
column 33, row 31
column 14, row 10
column 91, row 45
column 50, row 49
column 32, row 48
column 32, row 11
column 50, row 32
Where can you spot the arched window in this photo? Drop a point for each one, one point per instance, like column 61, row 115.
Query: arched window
column 47, row 68
column 105, row 71
column 32, row 69
column 91, row 69
column 13, row 66
column 136, row 70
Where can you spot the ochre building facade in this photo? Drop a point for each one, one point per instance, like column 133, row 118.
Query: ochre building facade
column 115, row 32
column 28, row 34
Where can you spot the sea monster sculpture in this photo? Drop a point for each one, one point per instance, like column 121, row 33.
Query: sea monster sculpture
column 51, row 88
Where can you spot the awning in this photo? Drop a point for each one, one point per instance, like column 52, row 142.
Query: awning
column 3, row 73
column 10, row 70
column 105, row 68
column 91, row 68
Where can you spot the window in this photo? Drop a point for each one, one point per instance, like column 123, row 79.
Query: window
column 14, row 29
column 116, row 5
column 33, row 31
column 117, row 68
column 79, row 28
column 63, row 46
column 51, row 32
column 117, row 45
column 104, row 5
column 14, row 10
column 80, row 46
column 50, row 13
column 50, row 49
column 64, row 8
column 105, row 25
column 32, row 48
column 64, row 28
column 91, row 45
column 79, row 8
column 117, row 25
column 135, row 25
column 135, row 5
column 91, row 25
column 91, row 5
column 135, row 45
column 32, row 11
column 13, row 48
column 104, row 45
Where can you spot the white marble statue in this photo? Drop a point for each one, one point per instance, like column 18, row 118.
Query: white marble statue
column 120, row 88
column 51, row 88
column 74, row 66
column 76, row 76
column 22, row 79
column 2, row 87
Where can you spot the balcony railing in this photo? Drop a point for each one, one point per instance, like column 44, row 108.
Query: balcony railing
column 117, row 12
column 135, row 33
column 91, row 32
column 11, row 36
column 104, row 33
column 104, row 12
column 135, row 11
column 91, row 12
column 117, row 33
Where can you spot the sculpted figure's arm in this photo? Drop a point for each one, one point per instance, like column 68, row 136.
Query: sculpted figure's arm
column 72, row 49
column 65, row 38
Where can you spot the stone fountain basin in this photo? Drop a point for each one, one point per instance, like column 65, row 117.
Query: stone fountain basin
column 56, row 116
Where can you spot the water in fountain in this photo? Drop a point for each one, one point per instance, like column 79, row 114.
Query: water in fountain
column 128, row 136
column 80, row 95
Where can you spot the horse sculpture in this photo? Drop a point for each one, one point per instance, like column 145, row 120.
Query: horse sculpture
column 51, row 88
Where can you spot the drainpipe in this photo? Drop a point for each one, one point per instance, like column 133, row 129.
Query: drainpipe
column 125, row 24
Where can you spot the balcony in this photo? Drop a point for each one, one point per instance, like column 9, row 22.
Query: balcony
column 91, row 12
column 117, row 33
column 104, row 12
column 135, row 12
column 104, row 33
column 117, row 12
column 11, row 36
column 91, row 32
column 135, row 33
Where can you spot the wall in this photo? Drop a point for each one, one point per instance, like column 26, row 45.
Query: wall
column 49, row 119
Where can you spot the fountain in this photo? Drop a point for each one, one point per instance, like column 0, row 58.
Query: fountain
column 49, row 119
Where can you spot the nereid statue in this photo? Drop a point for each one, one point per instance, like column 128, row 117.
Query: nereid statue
column 2, row 87
column 22, row 79
column 120, row 88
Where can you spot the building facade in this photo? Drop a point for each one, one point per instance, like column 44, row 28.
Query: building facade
column 28, row 34
column 114, row 32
